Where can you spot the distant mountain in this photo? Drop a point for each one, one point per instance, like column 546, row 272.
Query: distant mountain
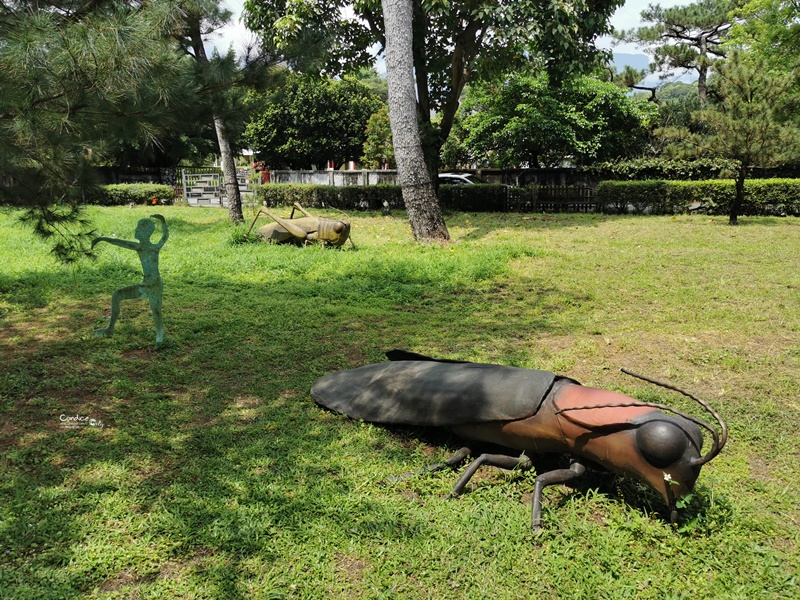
column 640, row 62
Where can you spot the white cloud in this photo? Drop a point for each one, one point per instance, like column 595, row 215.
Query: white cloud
column 628, row 16
column 235, row 34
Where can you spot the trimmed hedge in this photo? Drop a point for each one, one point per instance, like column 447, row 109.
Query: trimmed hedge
column 468, row 198
column 368, row 197
column 775, row 197
column 127, row 193
column 700, row 169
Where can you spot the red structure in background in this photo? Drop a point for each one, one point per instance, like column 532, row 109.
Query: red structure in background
column 259, row 167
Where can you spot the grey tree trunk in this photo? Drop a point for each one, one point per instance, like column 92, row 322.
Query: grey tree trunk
column 419, row 196
column 738, row 199
column 229, row 171
column 223, row 137
column 702, row 71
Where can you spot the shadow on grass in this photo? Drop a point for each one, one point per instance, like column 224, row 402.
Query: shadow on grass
column 210, row 448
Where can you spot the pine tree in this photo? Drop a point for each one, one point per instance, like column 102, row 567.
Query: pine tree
column 75, row 76
column 746, row 120
column 684, row 37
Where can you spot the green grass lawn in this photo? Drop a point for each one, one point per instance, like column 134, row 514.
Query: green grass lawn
column 215, row 475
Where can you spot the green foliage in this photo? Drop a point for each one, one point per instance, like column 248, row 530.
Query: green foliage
column 748, row 121
column 75, row 80
column 522, row 120
column 309, row 121
column 130, row 193
column 378, row 148
column 772, row 197
column 454, row 42
column 684, row 37
column 771, row 29
column 661, row 168
column 377, row 83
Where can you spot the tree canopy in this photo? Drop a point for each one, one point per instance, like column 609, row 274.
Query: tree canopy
column 378, row 148
column 454, row 41
column 770, row 28
column 308, row 121
column 75, row 77
column 686, row 37
column 524, row 121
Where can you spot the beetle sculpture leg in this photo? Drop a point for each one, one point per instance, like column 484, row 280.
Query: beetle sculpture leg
column 576, row 469
column 450, row 463
column 494, row 460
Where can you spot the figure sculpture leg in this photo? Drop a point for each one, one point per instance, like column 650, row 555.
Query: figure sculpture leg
column 131, row 292
column 127, row 293
column 154, row 295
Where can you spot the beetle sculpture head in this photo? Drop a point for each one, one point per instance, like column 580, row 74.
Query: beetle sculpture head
column 662, row 450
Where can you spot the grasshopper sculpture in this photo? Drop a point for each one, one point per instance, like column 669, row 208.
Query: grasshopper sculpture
column 530, row 412
column 300, row 231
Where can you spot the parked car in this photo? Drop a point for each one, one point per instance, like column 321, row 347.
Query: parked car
column 459, row 179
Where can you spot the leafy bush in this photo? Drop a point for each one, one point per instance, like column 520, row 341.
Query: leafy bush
column 127, row 193
column 762, row 196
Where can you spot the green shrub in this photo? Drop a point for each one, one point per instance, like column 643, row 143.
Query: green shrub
column 658, row 169
column 762, row 196
column 370, row 197
column 127, row 193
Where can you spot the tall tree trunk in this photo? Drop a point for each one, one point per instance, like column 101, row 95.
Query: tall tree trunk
column 419, row 196
column 702, row 71
column 229, row 171
column 738, row 200
column 223, row 137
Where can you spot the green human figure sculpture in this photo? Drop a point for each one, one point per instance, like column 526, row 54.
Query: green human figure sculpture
column 151, row 286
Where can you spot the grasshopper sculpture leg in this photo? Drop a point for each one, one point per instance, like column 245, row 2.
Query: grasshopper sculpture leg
column 530, row 412
column 300, row 231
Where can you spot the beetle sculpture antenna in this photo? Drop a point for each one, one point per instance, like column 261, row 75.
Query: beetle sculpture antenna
column 719, row 440
column 720, row 437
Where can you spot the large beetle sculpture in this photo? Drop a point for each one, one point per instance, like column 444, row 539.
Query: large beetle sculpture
column 300, row 231
column 532, row 412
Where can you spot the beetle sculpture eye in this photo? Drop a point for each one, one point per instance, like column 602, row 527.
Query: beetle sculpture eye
column 661, row 441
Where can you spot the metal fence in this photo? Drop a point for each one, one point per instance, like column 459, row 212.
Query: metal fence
column 203, row 186
column 552, row 198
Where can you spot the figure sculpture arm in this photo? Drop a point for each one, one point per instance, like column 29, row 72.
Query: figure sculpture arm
column 121, row 243
column 164, row 230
